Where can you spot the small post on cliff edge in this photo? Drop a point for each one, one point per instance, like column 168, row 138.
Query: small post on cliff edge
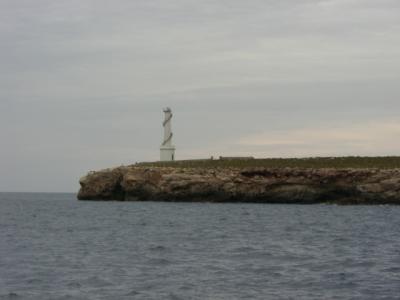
column 167, row 150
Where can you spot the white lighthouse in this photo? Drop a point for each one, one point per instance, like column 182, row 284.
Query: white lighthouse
column 167, row 150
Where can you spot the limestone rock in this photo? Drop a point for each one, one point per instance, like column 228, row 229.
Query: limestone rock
column 101, row 185
column 269, row 185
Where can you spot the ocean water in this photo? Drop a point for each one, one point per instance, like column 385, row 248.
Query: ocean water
column 55, row 247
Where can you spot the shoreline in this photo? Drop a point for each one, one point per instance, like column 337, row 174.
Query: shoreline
column 289, row 185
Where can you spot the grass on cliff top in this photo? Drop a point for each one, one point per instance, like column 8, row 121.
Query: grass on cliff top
column 388, row 162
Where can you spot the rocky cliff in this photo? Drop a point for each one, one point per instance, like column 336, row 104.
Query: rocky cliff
column 266, row 185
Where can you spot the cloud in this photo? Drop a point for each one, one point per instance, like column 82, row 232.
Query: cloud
column 367, row 138
column 83, row 82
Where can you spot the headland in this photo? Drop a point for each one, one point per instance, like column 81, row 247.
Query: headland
column 346, row 180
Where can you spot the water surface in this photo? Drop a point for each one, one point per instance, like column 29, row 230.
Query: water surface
column 55, row 247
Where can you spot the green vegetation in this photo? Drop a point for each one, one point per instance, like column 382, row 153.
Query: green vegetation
column 387, row 162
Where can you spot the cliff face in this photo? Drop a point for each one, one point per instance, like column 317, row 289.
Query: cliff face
column 267, row 185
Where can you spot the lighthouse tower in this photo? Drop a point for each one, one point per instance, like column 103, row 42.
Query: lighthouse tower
column 167, row 150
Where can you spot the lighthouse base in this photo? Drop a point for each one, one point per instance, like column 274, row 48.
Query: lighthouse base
column 167, row 153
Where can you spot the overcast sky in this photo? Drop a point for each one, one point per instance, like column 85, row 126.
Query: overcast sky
column 83, row 83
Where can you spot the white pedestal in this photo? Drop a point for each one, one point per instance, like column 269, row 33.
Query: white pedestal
column 167, row 153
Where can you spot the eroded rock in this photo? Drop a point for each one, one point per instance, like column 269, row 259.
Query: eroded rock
column 269, row 185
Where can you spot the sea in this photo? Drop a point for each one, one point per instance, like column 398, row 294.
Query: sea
column 53, row 246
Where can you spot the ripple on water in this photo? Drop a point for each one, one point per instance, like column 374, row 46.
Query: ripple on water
column 55, row 247
column 158, row 262
column 96, row 281
column 158, row 248
column 10, row 295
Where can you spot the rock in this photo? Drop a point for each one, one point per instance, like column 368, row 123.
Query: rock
column 267, row 185
column 370, row 188
column 102, row 185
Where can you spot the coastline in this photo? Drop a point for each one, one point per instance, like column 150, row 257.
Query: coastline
column 292, row 185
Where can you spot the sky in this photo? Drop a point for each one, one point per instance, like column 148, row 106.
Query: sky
column 83, row 82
